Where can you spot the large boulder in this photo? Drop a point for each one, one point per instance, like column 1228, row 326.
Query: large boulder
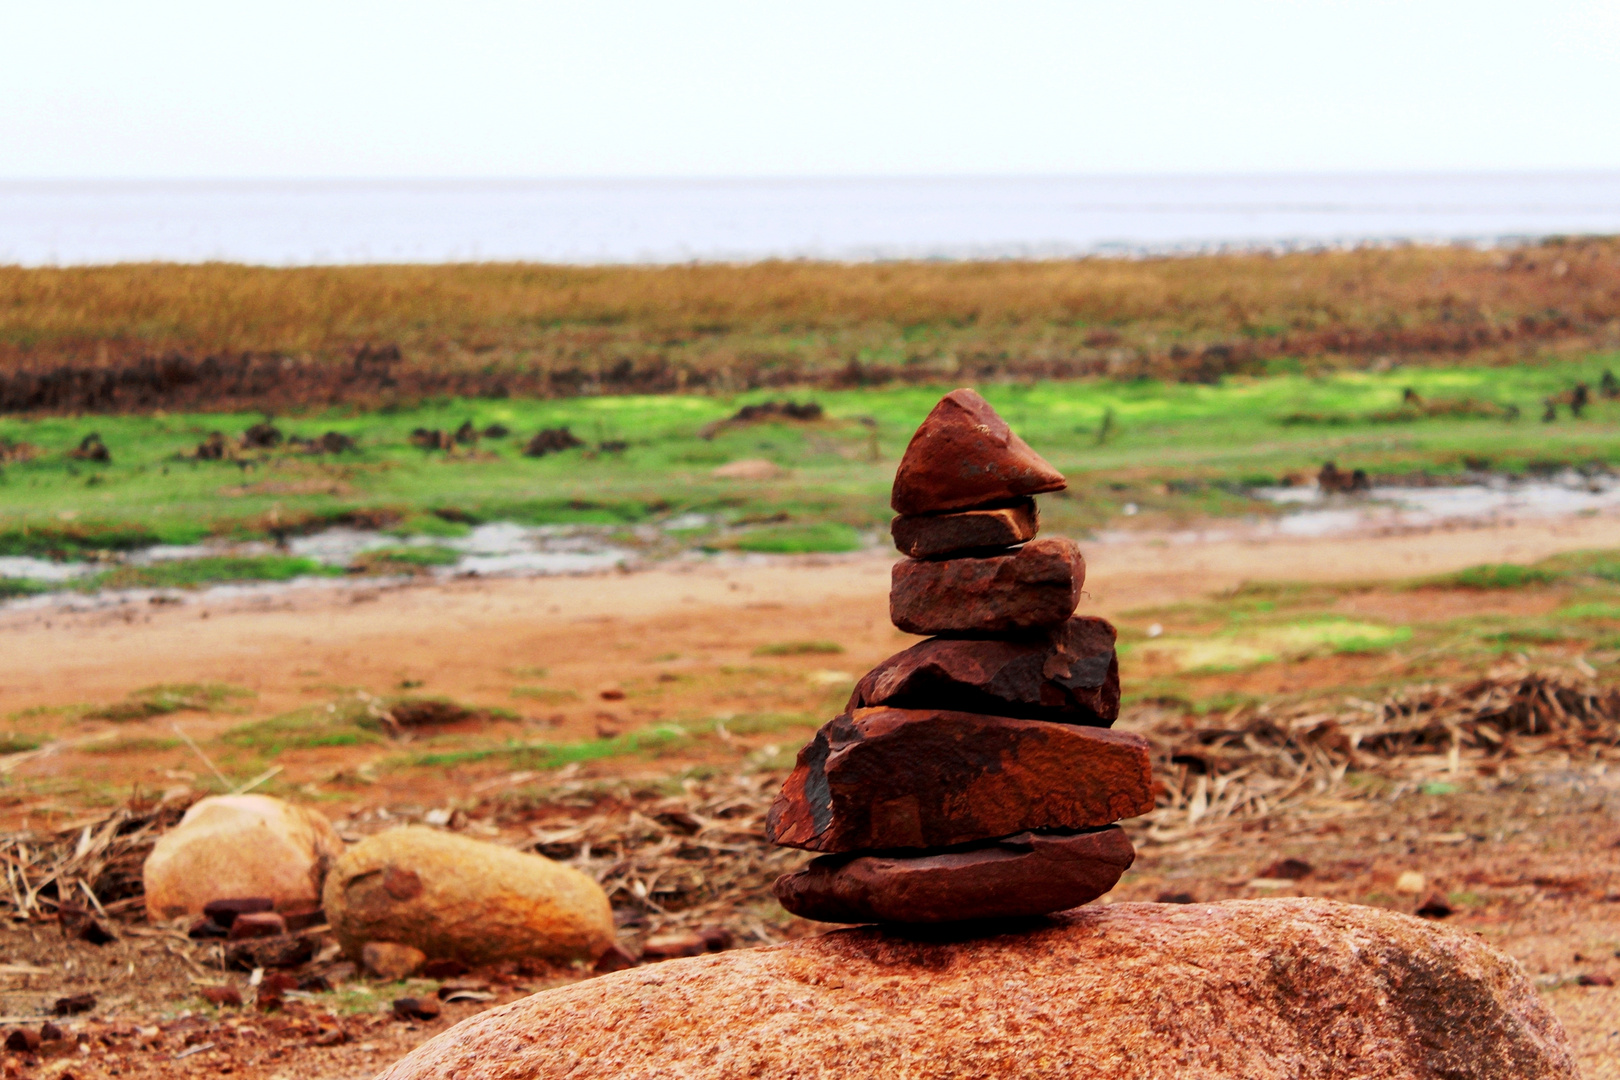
column 460, row 899
column 234, row 846
column 1300, row 989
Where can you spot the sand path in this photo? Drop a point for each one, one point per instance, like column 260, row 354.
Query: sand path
column 461, row 637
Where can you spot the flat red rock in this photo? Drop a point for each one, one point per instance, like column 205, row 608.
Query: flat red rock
column 1069, row 674
column 886, row 779
column 1023, row 875
column 971, row 530
column 965, row 456
column 1035, row 587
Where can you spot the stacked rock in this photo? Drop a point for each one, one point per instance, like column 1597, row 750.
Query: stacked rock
column 973, row 775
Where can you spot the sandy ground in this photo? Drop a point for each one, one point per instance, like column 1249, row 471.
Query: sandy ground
column 458, row 637
column 466, row 639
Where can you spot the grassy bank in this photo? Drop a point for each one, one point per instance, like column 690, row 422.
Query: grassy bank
column 1177, row 450
column 513, row 329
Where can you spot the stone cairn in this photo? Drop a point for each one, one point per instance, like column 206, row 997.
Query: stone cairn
column 974, row 775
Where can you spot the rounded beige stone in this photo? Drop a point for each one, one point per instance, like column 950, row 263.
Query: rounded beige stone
column 1299, row 989
column 234, row 846
column 461, row 899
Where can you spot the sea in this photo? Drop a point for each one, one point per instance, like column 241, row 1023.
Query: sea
column 332, row 222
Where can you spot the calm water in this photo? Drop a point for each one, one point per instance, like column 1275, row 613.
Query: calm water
column 281, row 223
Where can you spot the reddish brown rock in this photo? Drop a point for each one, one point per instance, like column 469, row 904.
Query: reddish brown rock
column 1244, row 990
column 257, row 924
column 1027, row 874
column 224, row 912
column 883, row 779
column 1036, row 586
column 974, row 530
column 285, row 951
column 411, row 1008
column 222, row 996
column 965, row 456
column 1069, row 675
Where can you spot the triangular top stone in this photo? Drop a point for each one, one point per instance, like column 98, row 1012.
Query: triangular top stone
column 964, row 456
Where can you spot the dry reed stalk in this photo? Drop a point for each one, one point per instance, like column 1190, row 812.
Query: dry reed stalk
column 700, row 859
column 526, row 329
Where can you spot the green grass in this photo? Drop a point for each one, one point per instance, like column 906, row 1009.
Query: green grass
column 74, row 539
column 1250, row 644
column 545, row 694
column 395, row 560
column 766, row 723
column 154, row 701
column 1590, row 611
column 1184, row 450
column 814, row 538
column 538, row 755
column 1493, row 576
column 1601, row 565
column 345, row 723
column 138, row 744
column 800, row 648
column 210, row 570
column 1559, row 611
column 13, row 743
column 12, row 588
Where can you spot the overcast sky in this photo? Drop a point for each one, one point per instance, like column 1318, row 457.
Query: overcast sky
column 500, row 88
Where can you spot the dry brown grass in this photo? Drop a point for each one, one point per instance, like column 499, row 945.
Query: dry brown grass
column 730, row 327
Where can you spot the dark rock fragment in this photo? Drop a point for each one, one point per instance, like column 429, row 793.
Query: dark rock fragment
column 1287, row 870
column 1036, row 586
column 1022, row 875
column 614, row 959
column 222, row 997
column 1435, row 906
column 74, row 1004
column 673, row 946
column 225, row 912
column 212, row 448
column 880, row 779
column 432, row 439
column 551, row 441
column 965, row 456
column 1332, row 480
column 22, row 1040
column 413, row 1008
column 334, row 442
column 1069, row 675
column 303, row 918
column 973, row 530
column 443, row 969
column 286, row 951
column 91, row 448
column 261, row 436
column 257, row 924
